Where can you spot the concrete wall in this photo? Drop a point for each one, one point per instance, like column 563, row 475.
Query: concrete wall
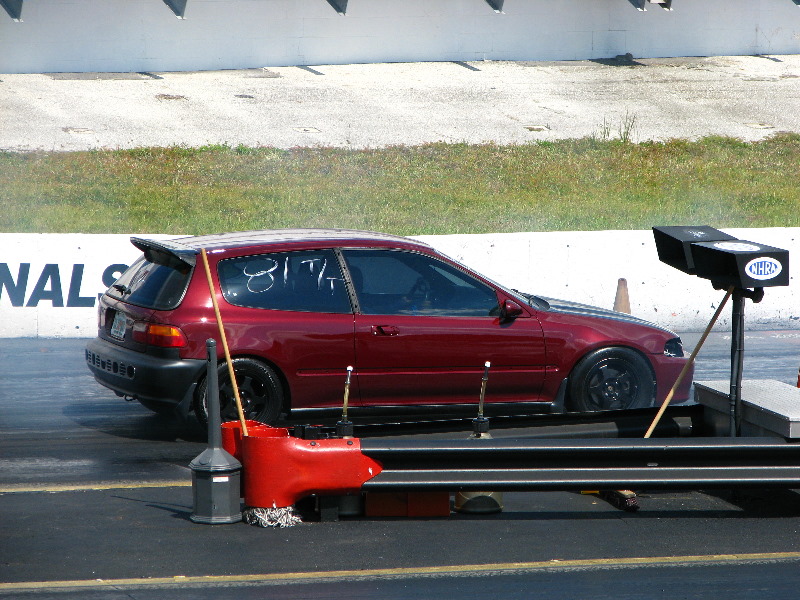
column 586, row 267
column 145, row 35
column 49, row 282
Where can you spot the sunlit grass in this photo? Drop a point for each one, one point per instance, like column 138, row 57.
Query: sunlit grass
column 584, row 184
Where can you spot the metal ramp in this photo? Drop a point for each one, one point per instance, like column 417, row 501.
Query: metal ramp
column 769, row 408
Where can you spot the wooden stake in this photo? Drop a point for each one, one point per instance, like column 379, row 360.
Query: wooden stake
column 688, row 364
column 224, row 341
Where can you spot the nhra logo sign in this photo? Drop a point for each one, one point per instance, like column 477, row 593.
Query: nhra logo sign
column 763, row 268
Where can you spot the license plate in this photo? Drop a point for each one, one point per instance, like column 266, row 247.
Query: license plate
column 118, row 326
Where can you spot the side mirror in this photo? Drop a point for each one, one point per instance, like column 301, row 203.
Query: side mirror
column 511, row 310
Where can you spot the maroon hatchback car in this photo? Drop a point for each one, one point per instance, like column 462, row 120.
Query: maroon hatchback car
column 300, row 306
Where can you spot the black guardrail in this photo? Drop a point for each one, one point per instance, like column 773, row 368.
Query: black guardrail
column 678, row 421
column 526, row 465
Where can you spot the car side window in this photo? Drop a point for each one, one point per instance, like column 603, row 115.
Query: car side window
column 393, row 282
column 304, row 281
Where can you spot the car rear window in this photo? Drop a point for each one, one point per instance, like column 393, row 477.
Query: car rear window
column 304, row 281
column 151, row 286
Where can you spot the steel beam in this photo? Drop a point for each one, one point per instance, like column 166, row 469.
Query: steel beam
column 640, row 4
column 178, row 7
column 13, row 8
column 582, row 479
column 497, row 5
column 340, row 6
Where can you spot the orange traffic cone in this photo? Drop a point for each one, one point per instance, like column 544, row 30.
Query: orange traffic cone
column 622, row 302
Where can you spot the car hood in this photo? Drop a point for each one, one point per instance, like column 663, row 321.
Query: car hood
column 586, row 310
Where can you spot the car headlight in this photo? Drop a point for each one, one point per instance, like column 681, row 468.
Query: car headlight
column 673, row 347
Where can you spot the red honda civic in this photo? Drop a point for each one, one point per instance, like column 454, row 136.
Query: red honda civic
column 300, row 306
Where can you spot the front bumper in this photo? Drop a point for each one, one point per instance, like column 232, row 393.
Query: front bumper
column 142, row 376
column 667, row 369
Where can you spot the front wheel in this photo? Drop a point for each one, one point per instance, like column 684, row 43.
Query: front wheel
column 611, row 379
column 260, row 391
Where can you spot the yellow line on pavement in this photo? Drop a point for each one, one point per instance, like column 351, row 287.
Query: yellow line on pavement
column 99, row 485
column 399, row 572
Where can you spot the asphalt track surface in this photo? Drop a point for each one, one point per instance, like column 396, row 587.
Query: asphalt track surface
column 95, row 498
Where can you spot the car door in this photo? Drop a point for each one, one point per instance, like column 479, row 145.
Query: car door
column 294, row 311
column 424, row 329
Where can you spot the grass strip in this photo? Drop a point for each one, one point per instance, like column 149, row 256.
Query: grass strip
column 583, row 184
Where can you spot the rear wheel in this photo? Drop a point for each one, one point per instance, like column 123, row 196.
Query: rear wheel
column 611, row 379
column 260, row 391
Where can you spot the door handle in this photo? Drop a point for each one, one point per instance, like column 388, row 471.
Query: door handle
column 385, row 330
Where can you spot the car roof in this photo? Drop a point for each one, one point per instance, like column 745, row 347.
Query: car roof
column 238, row 239
column 183, row 250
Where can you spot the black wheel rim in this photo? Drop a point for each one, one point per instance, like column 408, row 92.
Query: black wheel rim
column 612, row 384
column 252, row 392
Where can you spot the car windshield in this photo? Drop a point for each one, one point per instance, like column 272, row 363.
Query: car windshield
column 150, row 285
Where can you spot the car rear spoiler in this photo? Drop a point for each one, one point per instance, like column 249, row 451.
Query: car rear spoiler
column 167, row 253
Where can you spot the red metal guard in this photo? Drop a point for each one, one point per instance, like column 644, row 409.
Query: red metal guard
column 279, row 469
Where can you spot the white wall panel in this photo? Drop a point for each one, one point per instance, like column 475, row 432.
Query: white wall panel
column 49, row 282
column 144, row 35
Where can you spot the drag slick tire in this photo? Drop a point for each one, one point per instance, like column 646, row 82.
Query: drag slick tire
column 260, row 391
column 611, row 379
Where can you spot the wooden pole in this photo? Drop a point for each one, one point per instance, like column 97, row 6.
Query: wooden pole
column 688, row 364
column 224, row 342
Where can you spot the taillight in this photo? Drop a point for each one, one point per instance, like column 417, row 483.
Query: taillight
column 165, row 336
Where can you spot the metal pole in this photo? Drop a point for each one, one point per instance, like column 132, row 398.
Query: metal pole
column 483, row 388
column 344, row 427
column 212, row 396
column 216, row 475
column 480, row 425
column 737, row 363
column 480, row 502
column 346, row 399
